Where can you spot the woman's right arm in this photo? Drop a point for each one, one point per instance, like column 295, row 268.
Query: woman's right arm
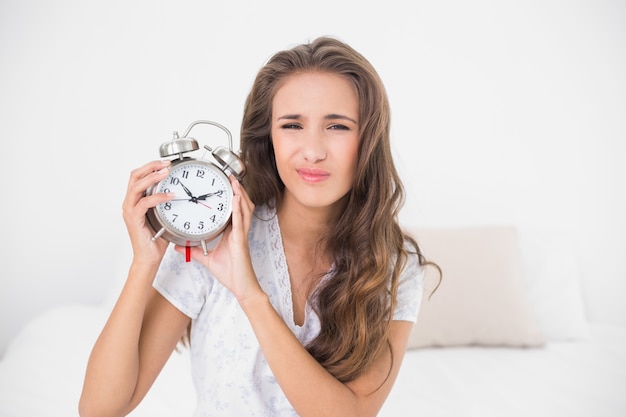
column 143, row 328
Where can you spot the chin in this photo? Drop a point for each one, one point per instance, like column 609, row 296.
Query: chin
column 318, row 201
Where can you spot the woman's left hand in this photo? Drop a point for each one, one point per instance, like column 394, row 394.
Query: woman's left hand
column 230, row 260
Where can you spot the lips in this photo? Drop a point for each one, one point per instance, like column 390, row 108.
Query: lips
column 313, row 175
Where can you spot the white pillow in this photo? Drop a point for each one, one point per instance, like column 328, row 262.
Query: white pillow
column 481, row 299
column 553, row 283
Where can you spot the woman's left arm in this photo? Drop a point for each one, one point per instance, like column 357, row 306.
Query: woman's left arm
column 308, row 386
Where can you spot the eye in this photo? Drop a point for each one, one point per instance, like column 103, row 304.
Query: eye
column 338, row 126
column 291, row 126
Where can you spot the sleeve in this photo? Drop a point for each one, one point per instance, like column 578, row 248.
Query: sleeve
column 185, row 285
column 410, row 290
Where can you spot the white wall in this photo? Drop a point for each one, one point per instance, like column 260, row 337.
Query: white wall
column 503, row 113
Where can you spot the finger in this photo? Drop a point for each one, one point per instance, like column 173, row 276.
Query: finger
column 146, row 176
column 135, row 215
column 139, row 173
column 246, row 208
column 237, row 214
column 153, row 200
column 140, row 202
column 149, row 167
column 248, row 205
column 143, row 178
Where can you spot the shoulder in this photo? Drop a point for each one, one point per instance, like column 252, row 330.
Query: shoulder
column 183, row 284
column 412, row 273
column 410, row 285
column 409, row 267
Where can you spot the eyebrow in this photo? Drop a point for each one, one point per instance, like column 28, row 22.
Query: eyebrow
column 331, row 116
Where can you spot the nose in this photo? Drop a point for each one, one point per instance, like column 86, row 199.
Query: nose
column 314, row 147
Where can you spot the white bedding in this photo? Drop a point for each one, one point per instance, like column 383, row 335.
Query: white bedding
column 42, row 370
column 583, row 378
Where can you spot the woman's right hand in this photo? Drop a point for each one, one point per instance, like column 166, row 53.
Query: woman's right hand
column 135, row 207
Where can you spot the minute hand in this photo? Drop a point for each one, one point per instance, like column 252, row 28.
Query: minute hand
column 205, row 196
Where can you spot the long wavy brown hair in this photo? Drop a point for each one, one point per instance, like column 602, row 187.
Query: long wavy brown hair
column 368, row 247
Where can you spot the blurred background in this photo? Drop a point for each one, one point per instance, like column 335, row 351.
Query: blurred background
column 503, row 112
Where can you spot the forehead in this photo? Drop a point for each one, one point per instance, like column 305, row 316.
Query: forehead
column 316, row 88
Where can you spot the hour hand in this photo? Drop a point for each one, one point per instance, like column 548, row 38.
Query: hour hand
column 205, row 196
column 187, row 191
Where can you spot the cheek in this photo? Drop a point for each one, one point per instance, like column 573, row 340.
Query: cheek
column 350, row 157
column 279, row 151
column 282, row 156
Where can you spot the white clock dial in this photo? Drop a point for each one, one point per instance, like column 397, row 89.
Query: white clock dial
column 203, row 201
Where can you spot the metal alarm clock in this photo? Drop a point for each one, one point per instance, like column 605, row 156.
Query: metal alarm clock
column 202, row 206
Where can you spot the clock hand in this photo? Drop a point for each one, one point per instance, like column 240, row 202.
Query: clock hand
column 187, row 191
column 205, row 196
column 193, row 199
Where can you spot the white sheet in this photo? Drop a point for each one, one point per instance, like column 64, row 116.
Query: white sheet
column 42, row 372
column 585, row 378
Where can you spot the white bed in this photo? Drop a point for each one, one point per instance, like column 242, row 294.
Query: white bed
column 586, row 378
column 462, row 361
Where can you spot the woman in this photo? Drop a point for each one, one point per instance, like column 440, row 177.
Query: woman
column 305, row 305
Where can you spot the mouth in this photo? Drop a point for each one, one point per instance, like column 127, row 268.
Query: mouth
column 313, row 175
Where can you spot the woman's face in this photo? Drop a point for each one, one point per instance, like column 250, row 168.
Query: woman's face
column 315, row 133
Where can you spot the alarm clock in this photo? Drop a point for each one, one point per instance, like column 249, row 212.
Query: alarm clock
column 202, row 206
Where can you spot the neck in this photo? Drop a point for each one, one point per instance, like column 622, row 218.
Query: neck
column 302, row 230
column 303, row 226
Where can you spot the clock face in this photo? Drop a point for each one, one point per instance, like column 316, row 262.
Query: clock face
column 203, row 201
